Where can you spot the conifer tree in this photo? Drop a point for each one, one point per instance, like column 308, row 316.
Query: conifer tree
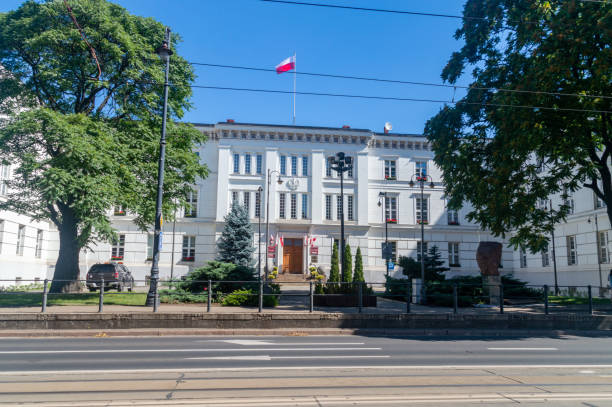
column 434, row 265
column 236, row 242
column 334, row 272
column 358, row 275
column 348, row 264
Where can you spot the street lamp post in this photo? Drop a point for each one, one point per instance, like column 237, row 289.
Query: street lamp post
column 268, row 180
column 341, row 164
column 554, row 253
column 421, row 179
column 383, row 196
column 598, row 244
column 164, row 53
column 258, row 206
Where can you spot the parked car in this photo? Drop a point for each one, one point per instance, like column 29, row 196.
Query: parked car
column 115, row 275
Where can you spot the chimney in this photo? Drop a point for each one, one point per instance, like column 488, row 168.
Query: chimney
column 346, row 127
column 230, row 120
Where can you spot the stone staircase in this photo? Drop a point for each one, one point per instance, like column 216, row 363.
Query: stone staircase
column 291, row 278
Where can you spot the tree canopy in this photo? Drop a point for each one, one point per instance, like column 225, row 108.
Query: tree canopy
column 536, row 119
column 83, row 140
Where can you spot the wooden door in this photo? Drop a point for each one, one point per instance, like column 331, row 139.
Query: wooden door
column 292, row 256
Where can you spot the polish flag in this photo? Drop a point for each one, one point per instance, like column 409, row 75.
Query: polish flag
column 287, row 65
column 282, row 243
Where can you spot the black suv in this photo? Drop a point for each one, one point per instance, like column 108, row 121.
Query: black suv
column 115, row 275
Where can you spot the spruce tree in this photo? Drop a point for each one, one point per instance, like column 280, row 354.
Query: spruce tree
column 334, row 272
column 348, row 264
column 236, row 242
column 358, row 275
column 434, row 265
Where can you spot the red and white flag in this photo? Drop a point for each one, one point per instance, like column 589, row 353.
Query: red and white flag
column 282, row 242
column 286, row 66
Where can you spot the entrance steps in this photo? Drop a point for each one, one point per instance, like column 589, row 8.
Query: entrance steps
column 291, row 278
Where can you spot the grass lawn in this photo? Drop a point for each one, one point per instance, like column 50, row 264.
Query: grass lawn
column 553, row 299
column 35, row 299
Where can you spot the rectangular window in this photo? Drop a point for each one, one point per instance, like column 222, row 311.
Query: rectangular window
column 236, row 163
column 419, row 250
column 570, row 203
column 39, row 242
column 281, row 206
column 5, row 172
column 339, row 211
column 191, row 211
column 328, row 207
column 259, row 164
column 118, row 248
column 390, row 171
column 453, row 217
column 391, row 209
column 420, row 168
column 523, row 258
column 545, row 258
column 20, row 240
column 234, row 198
column 393, row 251
column 294, row 165
column 305, row 166
column 422, row 212
column 598, row 202
column 572, row 257
column 453, row 254
column 602, row 245
column 304, row 206
column 258, row 204
column 293, row 206
column 119, row 211
column 247, row 163
column 246, row 201
column 328, row 166
column 150, row 241
column 349, row 208
column 188, row 248
column 1, row 233
column 283, row 165
column 349, row 173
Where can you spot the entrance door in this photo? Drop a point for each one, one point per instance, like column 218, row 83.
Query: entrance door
column 292, row 256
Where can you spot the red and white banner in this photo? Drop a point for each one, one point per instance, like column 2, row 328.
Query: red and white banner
column 286, row 66
column 282, row 242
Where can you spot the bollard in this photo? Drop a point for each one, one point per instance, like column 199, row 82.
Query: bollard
column 260, row 296
column 101, row 303
column 545, row 299
column 44, row 298
column 360, row 296
column 209, row 299
column 590, row 300
column 455, row 300
column 311, row 298
column 501, row 298
column 408, row 298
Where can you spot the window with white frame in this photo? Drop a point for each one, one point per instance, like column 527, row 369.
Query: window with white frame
column 390, row 169
column 188, row 248
column 545, row 258
column 39, row 243
column 304, row 206
column 191, row 210
column 523, row 258
column 393, row 251
column 246, row 201
column 234, row 198
column 453, row 254
column 119, row 210
column 602, row 245
column 328, row 207
column 150, row 242
column 572, row 257
column 570, row 204
column 281, row 205
column 247, row 163
column 294, row 165
column 349, row 172
column 259, row 164
column 283, row 165
column 118, row 248
column 391, row 209
column 420, row 168
column 304, row 166
column 1, row 233
column 598, row 202
column 422, row 212
column 5, row 173
column 258, row 204
column 452, row 217
column 328, row 166
column 350, row 208
column 236, row 163
column 419, row 250
column 20, row 240
column 293, row 206
column 339, row 211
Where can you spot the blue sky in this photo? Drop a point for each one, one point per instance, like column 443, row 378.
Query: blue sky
column 259, row 34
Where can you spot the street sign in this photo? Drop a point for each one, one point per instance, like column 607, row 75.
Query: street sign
column 314, row 250
column 272, row 249
column 387, row 251
column 390, row 266
column 271, row 255
column 159, row 246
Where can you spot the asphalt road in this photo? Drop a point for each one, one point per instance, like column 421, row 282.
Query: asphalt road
column 306, row 371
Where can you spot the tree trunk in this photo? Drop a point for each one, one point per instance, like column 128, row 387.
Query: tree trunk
column 66, row 275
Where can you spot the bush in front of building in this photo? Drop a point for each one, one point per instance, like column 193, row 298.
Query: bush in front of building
column 250, row 298
column 348, row 266
column 358, row 272
column 197, row 280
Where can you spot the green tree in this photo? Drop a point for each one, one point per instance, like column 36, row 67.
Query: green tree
column 348, row 264
column 84, row 140
column 358, row 274
column 502, row 160
column 434, row 265
column 410, row 267
column 334, row 272
column 236, row 242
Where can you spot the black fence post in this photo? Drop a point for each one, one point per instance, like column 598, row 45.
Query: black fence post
column 408, row 298
column 501, row 298
column 311, row 298
column 260, row 296
column 590, row 300
column 545, row 299
column 101, row 302
column 44, row 298
column 360, row 296
column 455, row 299
column 209, row 296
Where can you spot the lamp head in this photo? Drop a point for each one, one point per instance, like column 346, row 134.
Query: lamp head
column 348, row 160
column 340, row 156
column 431, row 184
column 279, row 181
column 411, row 183
column 164, row 51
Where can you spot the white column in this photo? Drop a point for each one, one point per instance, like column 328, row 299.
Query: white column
column 223, row 171
column 362, row 189
column 316, row 190
column 271, row 164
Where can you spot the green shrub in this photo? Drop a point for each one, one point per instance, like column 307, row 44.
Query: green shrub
column 179, row 296
column 250, row 298
column 197, row 280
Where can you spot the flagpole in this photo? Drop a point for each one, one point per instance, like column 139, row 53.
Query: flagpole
column 294, row 83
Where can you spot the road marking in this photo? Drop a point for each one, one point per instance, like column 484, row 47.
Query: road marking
column 245, row 342
column 267, row 357
column 265, row 343
column 587, row 371
column 530, row 349
column 37, row 352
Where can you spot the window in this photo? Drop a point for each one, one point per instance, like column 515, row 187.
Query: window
column 1, row 233
column 420, row 168
column 452, row 217
column 349, row 208
column 349, row 173
column 150, row 241
column 328, row 166
column 234, row 198
column 118, row 248
column 598, row 202
column 247, row 163
column 570, row 203
column 545, row 258
column 236, row 163
column 339, row 211
column 419, row 250
column 20, row 240
column 259, row 164
column 390, row 172
column 39, row 241
column 328, row 207
column 571, row 250
column 119, row 211
column 188, row 248
column 305, row 166
column 304, row 206
column 522, row 258
column 191, row 211
column 453, row 254
column 246, row 201
column 422, row 214
column 258, row 204
column 602, row 246
column 393, row 251
column 391, row 209
column 294, row 165
column 283, row 165
column 5, row 172
column 281, row 206
column 293, row 206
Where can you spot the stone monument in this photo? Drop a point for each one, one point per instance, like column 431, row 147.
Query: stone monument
column 488, row 256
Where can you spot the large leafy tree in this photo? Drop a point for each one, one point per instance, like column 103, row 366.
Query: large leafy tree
column 504, row 151
column 84, row 139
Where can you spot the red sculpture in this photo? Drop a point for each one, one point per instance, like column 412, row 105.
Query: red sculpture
column 488, row 256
